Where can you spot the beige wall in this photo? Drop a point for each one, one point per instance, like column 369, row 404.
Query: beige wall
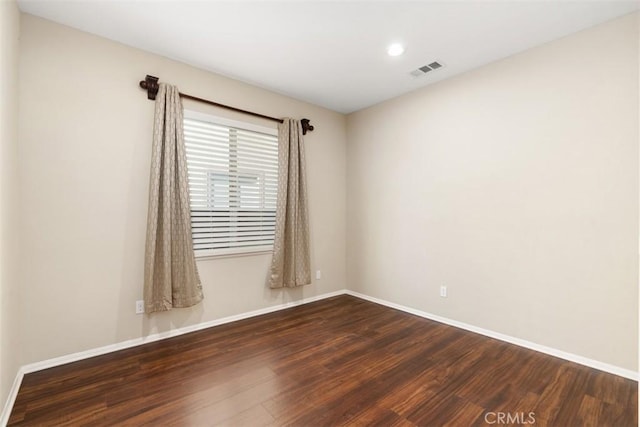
column 85, row 148
column 9, row 288
column 516, row 185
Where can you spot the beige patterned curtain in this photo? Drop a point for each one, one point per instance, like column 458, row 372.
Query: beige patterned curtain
column 290, row 266
column 170, row 273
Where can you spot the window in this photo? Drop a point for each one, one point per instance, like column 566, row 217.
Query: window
column 233, row 183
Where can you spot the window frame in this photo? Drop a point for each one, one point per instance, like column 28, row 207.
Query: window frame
column 223, row 121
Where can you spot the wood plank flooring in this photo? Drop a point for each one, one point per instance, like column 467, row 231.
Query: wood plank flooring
column 340, row 361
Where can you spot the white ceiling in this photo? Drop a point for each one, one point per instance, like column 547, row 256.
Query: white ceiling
column 331, row 54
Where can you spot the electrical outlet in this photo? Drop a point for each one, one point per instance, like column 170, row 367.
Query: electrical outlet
column 443, row 291
column 318, row 274
column 139, row 307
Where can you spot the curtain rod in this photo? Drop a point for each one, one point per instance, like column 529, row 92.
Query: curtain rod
column 150, row 84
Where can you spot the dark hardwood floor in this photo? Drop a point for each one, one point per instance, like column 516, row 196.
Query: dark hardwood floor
column 340, row 361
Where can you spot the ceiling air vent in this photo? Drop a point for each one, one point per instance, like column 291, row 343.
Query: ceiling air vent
column 425, row 69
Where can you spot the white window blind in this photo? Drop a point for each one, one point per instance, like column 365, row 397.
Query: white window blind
column 233, row 183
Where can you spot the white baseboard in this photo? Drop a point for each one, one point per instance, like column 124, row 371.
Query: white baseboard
column 612, row 369
column 74, row 357
column 11, row 399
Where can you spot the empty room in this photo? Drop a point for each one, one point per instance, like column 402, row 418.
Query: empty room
column 319, row 213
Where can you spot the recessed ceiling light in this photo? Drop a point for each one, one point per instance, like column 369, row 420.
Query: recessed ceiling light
column 395, row 49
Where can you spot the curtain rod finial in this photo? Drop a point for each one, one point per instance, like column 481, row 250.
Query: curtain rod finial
column 306, row 126
column 150, row 84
